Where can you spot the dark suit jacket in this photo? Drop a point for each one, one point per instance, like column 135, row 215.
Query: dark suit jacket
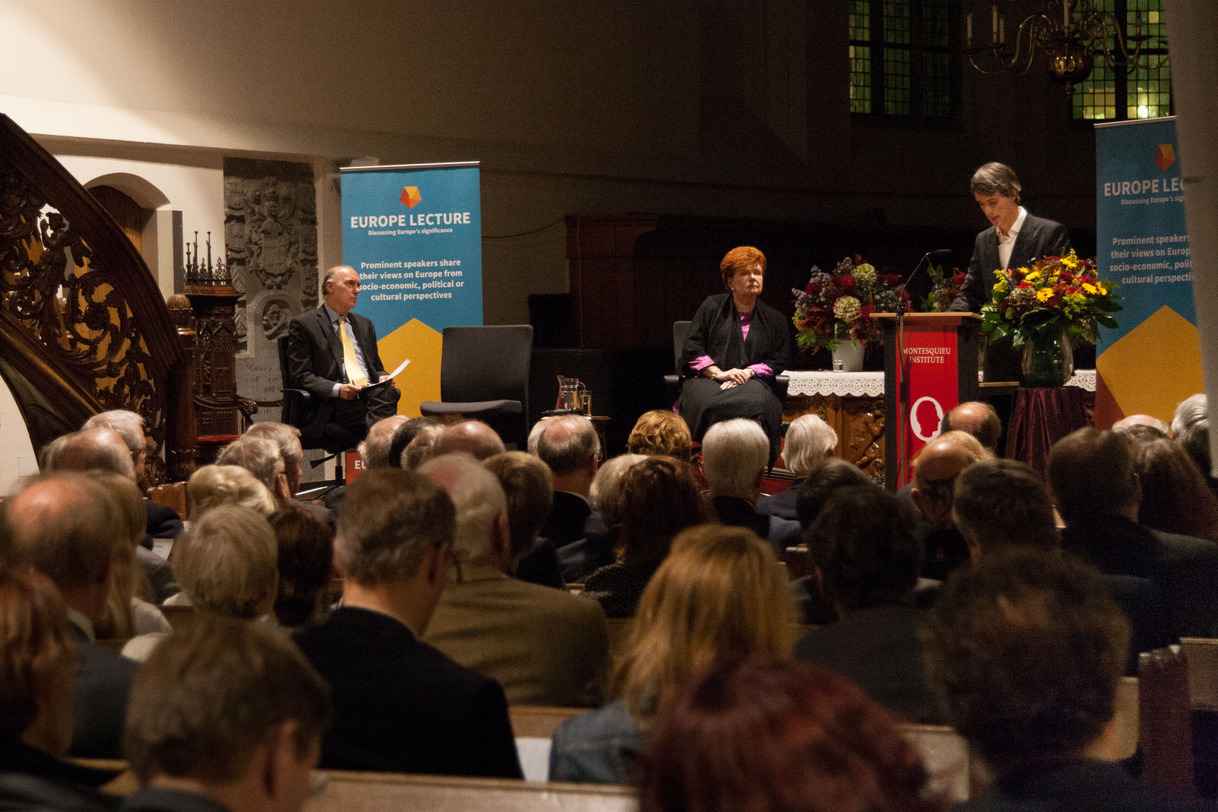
column 1081, row 785
column 1185, row 569
column 879, row 650
column 565, row 523
column 32, row 779
column 1038, row 238
column 782, row 504
column 103, row 685
column 315, row 361
column 781, row 533
column 402, row 706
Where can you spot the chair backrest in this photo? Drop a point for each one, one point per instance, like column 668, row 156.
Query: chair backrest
column 680, row 331
column 1201, row 654
column 171, row 494
column 486, row 362
column 1165, row 719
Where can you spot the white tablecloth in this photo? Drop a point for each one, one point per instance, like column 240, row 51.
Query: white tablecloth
column 871, row 384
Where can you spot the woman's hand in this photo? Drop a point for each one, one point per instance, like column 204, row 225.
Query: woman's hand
column 731, row 377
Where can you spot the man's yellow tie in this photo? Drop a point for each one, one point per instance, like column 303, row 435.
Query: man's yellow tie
column 354, row 373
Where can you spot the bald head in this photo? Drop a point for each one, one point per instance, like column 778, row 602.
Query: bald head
column 1127, row 423
column 472, row 437
column 975, row 418
column 935, row 472
column 375, row 447
column 96, row 449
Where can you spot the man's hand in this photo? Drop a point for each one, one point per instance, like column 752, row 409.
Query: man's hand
column 348, row 391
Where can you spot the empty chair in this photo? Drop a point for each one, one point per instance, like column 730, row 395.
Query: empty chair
column 484, row 375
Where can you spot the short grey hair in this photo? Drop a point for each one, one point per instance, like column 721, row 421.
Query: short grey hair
column 375, row 447
column 478, row 498
column 227, row 561
column 258, row 455
column 213, row 485
column 733, row 453
column 605, row 493
column 809, row 440
column 391, row 519
column 128, row 424
column 568, row 443
column 285, row 436
column 98, row 448
column 1192, row 412
column 996, row 179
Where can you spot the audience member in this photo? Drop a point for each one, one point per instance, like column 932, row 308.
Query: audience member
column 225, row 716
column 162, row 521
column 582, row 557
column 543, row 646
column 66, row 526
column 1175, row 496
column 658, row 499
column 1095, row 486
column 976, row 419
column 735, row 454
column 260, row 456
column 400, row 705
column 374, row 449
column 660, row 432
column 809, row 441
column 824, row 481
column 866, row 559
column 212, row 485
column 1159, row 427
column 471, row 437
column 287, row 440
column 37, row 661
column 570, row 447
column 1003, row 503
column 402, row 436
column 305, row 556
column 719, row 596
column 529, row 487
column 227, row 564
column 422, row 447
column 771, row 736
column 1026, row 650
column 1190, row 427
column 935, row 470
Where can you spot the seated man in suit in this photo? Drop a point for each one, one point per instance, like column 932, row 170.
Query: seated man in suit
column 1095, row 486
column 225, row 716
column 332, row 354
column 399, row 704
column 1026, row 650
column 570, row 447
column 544, row 646
column 735, row 454
column 67, row 527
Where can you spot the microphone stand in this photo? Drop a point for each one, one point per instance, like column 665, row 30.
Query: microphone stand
column 903, row 389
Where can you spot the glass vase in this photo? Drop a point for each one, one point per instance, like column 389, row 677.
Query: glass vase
column 1048, row 359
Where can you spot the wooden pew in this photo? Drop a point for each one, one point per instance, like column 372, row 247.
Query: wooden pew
column 171, row 494
column 1201, row 658
column 539, row 721
column 374, row 792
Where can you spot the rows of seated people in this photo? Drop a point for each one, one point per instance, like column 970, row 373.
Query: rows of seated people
column 391, row 628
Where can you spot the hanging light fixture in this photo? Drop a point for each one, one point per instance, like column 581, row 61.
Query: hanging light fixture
column 1069, row 34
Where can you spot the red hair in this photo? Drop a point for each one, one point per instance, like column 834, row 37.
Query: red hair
column 740, row 259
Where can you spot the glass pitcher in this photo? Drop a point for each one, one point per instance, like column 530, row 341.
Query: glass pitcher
column 572, row 395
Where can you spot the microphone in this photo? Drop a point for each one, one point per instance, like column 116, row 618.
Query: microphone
column 938, row 252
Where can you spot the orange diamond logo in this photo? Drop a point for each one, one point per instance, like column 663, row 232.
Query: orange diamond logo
column 1165, row 156
column 411, row 196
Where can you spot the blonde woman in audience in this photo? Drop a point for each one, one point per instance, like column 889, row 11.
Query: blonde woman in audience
column 661, row 432
column 129, row 609
column 214, row 485
column 719, row 596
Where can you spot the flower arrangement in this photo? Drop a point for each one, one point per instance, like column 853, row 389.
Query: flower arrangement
column 837, row 306
column 1051, row 294
column 944, row 288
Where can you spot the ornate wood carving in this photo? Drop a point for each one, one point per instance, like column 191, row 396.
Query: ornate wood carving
column 859, row 423
column 82, row 324
column 215, row 353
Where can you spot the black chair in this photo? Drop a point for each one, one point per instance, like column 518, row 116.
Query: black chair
column 297, row 409
column 484, row 375
column 672, row 383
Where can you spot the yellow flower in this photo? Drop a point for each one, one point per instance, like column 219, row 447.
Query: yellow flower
column 1044, row 294
column 1103, row 290
column 1070, row 261
column 1090, row 288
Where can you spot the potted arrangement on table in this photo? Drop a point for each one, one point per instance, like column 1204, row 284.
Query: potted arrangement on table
column 834, row 310
column 1048, row 308
column 944, row 288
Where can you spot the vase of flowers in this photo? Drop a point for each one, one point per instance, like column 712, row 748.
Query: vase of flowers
column 1047, row 308
column 834, row 309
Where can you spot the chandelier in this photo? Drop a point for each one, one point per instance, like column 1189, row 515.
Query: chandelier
column 1069, row 34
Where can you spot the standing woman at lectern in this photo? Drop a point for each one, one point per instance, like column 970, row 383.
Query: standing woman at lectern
column 736, row 347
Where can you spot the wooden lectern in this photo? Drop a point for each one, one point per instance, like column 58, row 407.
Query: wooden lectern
column 930, row 365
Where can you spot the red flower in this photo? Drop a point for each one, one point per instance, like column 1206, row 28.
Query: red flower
column 845, row 281
column 892, row 279
column 812, row 289
column 867, row 310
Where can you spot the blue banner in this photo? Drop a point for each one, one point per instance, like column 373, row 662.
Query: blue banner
column 1152, row 360
column 414, row 236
